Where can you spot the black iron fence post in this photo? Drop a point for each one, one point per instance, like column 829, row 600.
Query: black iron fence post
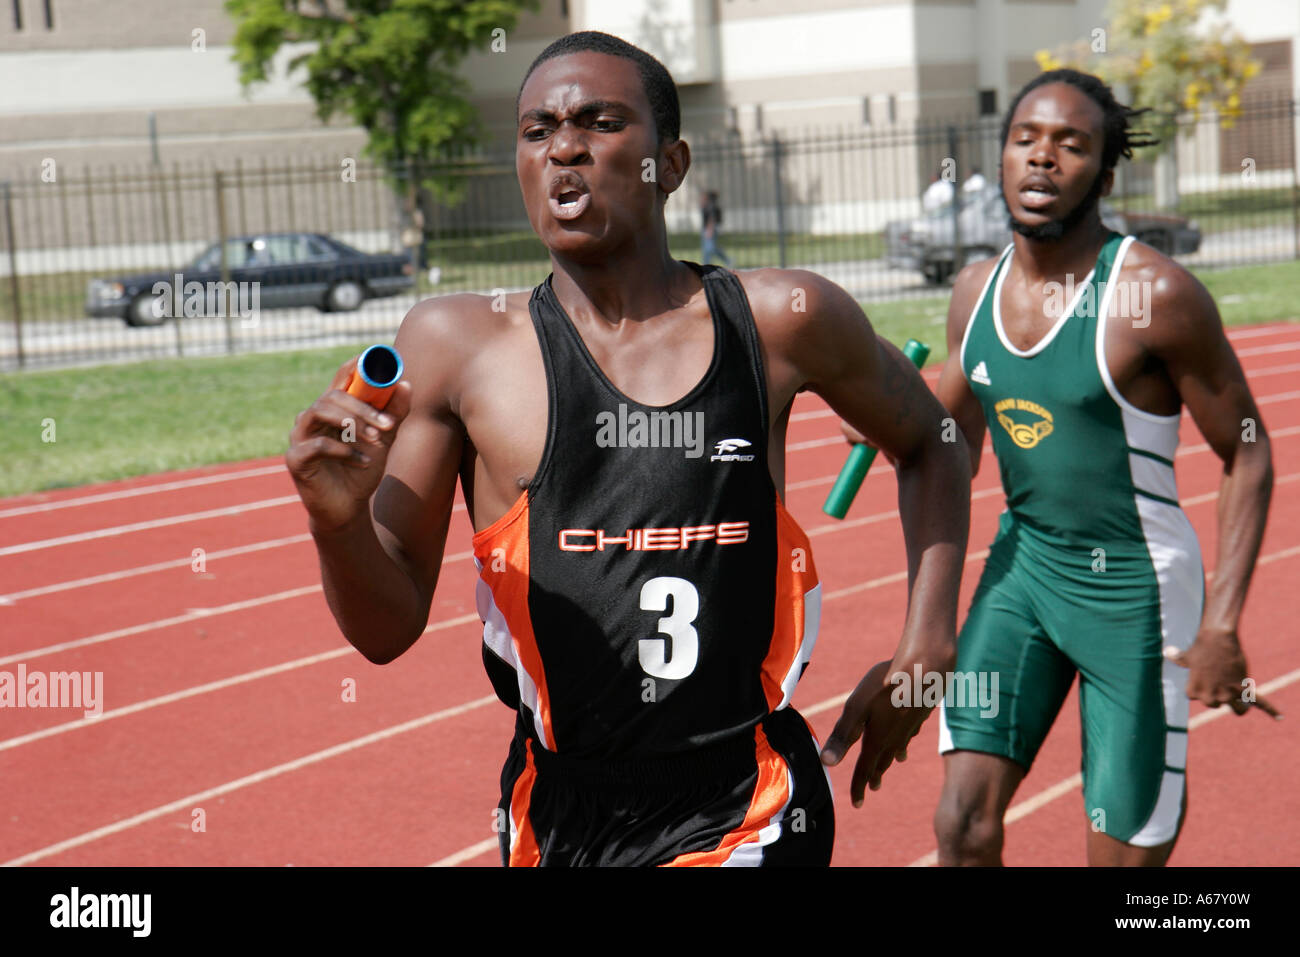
column 779, row 195
column 13, row 274
column 218, row 182
column 1295, row 180
column 958, row 254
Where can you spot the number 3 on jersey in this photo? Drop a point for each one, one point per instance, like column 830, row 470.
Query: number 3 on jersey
column 653, row 652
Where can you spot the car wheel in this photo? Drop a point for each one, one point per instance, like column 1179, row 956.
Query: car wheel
column 937, row 273
column 345, row 297
column 1157, row 240
column 140, row 312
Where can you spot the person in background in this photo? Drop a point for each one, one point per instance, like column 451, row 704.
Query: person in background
column 938, row 194
column 711, row 217
column 974, row 182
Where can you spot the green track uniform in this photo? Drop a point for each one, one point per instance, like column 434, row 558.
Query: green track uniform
column 1095, row 567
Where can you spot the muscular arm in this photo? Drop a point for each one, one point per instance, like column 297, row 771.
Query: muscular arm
column 379, row 571
column 1186, row 336
column 831, row 349
column 953, row 390
column 879, row 392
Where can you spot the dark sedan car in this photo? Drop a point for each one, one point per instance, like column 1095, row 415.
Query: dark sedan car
column 280, row 269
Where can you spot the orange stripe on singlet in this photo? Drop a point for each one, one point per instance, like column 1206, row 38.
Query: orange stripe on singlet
column 771, row 794
column 504, row 545
column 795, row 577
column 524, row 852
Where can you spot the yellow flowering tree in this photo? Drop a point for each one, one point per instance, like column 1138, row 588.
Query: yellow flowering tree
column 1156, row 55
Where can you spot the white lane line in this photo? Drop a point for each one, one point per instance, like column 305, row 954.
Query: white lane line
column 1280, row 397
column 1205, row 446
column 211, row 686
column 1278, row 556
column 12, row 597
column 194, row 614
column 1211, row 496
column 805, row 416
column 840, row 526
column 469, row 853
column 159, row 523
column 140, row 490
column 1046, row 796
column 826, row 705
column 1268, row 350
column 151, row 523
column 1249, row 333
column 1273, row 370
column 187, row 802
column 190, row 615
column 815, row 443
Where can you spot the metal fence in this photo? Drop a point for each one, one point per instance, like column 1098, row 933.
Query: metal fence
column 819, row 199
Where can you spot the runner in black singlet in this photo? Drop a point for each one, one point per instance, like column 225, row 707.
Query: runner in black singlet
column 648, row 603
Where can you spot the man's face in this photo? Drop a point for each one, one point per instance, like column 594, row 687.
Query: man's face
column 585, row 133
column 1051, row 161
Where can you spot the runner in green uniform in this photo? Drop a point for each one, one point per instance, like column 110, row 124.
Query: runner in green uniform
column 1077, row 349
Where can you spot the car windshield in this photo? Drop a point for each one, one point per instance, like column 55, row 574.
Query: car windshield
column 210, row 259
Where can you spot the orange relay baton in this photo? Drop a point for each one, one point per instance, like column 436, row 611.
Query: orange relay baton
column 376, row 376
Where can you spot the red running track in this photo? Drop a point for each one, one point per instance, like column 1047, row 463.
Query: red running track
column 224, row 687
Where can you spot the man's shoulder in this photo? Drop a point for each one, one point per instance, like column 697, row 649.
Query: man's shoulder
column 789, row 296
column 967, row 286
column 464, row 320
column 1168, row 302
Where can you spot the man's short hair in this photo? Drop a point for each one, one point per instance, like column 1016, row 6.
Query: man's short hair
column 1118, row 140
column 658, row 84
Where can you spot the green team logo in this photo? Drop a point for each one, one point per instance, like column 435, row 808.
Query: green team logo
column 1028, row 428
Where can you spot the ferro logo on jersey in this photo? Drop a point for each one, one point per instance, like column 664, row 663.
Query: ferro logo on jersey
column 653, row 539
column 727, row 451
column 657, row 430
column 1029, row 430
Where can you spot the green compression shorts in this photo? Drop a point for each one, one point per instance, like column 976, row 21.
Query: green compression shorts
column 1045, row 609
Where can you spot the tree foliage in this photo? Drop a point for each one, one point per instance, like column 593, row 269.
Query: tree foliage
column 390, row 65
column 1155, row 52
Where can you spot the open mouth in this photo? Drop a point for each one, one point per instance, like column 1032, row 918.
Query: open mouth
column 1036, row 196
column 569, row 197
column 570, row 204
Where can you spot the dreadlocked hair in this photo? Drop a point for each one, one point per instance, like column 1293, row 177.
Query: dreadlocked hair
column 1120, row 138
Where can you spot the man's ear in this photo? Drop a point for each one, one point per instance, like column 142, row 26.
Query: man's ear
column 674, row 163
column 1107, row 181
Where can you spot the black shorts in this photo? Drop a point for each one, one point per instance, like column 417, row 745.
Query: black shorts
column 760, row 799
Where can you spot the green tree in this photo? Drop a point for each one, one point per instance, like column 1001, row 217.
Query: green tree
column 389, row 65
column 1156, row 55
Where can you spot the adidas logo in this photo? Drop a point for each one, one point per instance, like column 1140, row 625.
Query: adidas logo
column 980, row 374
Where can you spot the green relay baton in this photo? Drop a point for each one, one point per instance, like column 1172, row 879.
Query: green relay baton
column 855, row 469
